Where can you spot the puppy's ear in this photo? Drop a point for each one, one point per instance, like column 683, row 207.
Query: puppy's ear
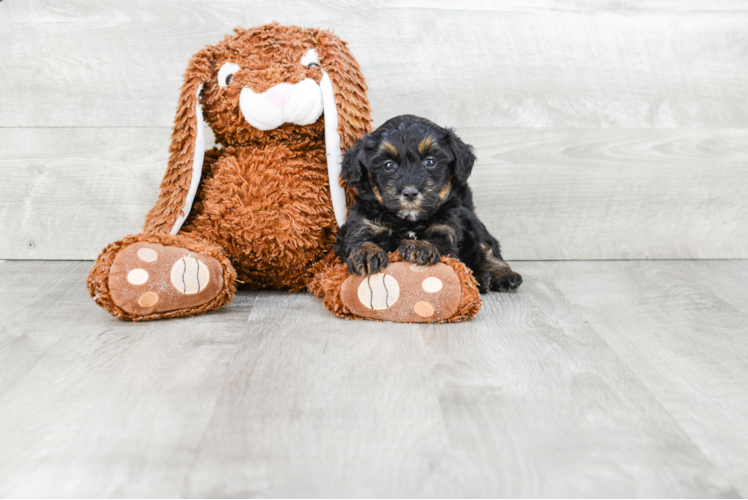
column 353, row 163
column 464, row 157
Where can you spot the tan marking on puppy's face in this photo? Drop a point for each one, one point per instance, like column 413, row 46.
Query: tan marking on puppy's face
column 389, row 147
column 375, row 189
column 444, row 192
column 425, row 143
column 377, row 194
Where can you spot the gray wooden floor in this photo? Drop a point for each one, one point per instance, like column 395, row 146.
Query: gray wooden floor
column 612, row 378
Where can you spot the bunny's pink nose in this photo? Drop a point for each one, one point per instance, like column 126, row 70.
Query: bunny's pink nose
column 280, row 94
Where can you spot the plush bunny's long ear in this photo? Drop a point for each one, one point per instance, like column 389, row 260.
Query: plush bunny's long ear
column 186, row 153
column 346, row 108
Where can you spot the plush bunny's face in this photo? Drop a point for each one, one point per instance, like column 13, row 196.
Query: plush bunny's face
column 265, row 82
column 299, row 102
column 271, row 82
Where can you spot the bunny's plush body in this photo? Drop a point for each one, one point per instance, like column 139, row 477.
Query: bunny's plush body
column 261, row 208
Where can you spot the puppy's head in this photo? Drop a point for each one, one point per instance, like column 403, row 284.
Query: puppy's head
column 409, row 165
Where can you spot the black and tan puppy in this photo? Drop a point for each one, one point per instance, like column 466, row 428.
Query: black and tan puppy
column 411, row 176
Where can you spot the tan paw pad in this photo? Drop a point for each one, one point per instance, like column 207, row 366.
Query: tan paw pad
column 189, row 275
column 147, row 255
column 148, row 299
column 404, row 293
column 137, row 276
column 432, row 284
column 424, row 309
column 378, row 291
column 150, row 277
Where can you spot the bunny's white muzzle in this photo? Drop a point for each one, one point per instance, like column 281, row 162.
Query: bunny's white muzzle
column 300, row 103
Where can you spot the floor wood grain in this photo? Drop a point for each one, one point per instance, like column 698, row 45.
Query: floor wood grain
column 596, row 379
column 697, row 363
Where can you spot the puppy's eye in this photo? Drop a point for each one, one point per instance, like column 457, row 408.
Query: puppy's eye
column 226, row 73
column 313, row 64
column 429, row 162
column 389, row 165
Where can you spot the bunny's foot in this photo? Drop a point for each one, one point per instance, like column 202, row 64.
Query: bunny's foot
column 402, row 292
column 161, row 276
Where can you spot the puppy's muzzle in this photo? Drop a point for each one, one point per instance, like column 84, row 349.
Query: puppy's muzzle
column 410, row 194
column 410, row 203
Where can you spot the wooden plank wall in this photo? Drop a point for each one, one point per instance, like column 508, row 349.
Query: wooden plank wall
column 604, row 130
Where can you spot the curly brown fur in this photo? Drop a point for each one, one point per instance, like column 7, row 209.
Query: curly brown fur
column 411, row 178
column 264, row 206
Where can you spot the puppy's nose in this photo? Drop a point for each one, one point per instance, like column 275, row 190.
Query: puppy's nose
column 410, row 193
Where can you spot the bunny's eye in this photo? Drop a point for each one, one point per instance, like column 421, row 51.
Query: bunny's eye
column 226, row 73
column 310, row 59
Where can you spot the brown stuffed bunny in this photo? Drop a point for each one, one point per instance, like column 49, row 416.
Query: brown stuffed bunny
column 263, row 208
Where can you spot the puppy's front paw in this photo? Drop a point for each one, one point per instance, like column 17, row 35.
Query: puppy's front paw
column 419, row 252
column 367, row 259
column 484, row 280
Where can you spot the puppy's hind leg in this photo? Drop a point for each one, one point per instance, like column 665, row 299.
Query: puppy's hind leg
column 496, row 273
column 482, row 254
